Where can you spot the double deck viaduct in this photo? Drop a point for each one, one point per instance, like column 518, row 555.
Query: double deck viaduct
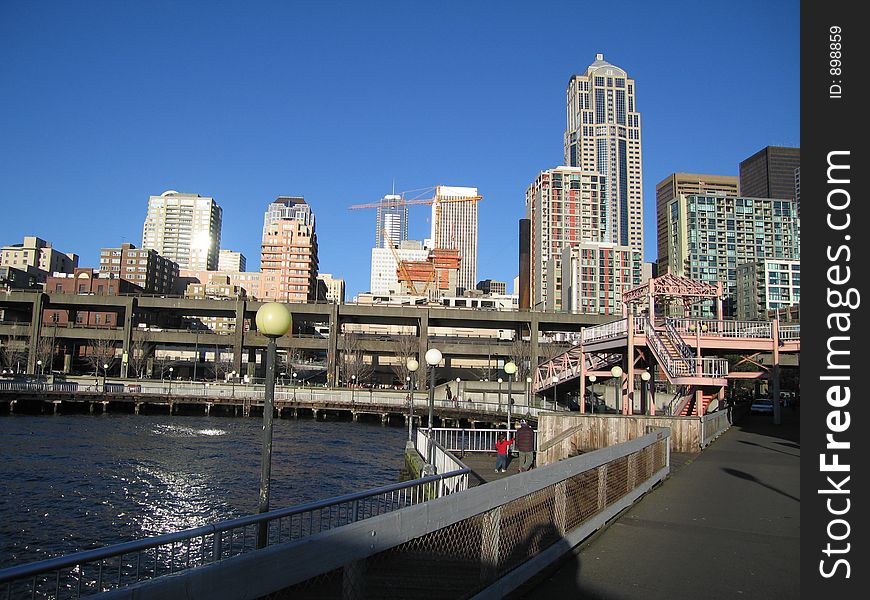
column 25, row 319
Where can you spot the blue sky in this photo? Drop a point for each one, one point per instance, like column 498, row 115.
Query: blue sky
column 105, row 103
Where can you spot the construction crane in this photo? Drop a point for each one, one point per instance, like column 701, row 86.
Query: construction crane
column 403, row 201
column 402, row 265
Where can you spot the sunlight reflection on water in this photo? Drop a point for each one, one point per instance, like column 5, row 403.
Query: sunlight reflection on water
column 79, row 481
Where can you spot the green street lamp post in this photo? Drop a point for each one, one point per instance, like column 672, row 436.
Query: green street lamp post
column 273, row 320
column 510, row 368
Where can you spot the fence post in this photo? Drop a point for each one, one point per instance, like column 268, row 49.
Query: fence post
column 489, row 545
column 560, row 511
column 602, row 486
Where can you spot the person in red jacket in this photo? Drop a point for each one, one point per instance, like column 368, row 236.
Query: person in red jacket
column 501, row 451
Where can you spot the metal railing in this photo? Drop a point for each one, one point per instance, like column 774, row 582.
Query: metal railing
column 483, row 542
column 443, row 461
column 729, row 329
column 677, row 340
column 678, row 366
column 597, row 333
column 469, row 440
column 121, row 565
column 790, row 332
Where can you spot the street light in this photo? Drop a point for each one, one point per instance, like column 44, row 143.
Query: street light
column 616, row 371
column 458, row 396
column 499, row 393
column 555, row 391
column 273, row 320
column 170, row 378
column 592, row 379
column 39, row 367
column 433, row 357
column 412, row 365
column 510, row 368
column 645, row 377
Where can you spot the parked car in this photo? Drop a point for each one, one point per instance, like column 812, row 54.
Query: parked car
column 761, row 406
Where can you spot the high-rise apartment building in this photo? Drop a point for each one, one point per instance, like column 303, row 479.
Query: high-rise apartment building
column 595, row 274
column 454, row 227
column 566, row 207
column 38, row 258
column 229, row 260
column 145, row 268
column 797, row 190
column 603, row 136
column 766, row 285
column 685, row 183
column 769, row 173
column 710, row 236
column 491, row 287
column 185, row 228
column 289, row 262
column 392, row 221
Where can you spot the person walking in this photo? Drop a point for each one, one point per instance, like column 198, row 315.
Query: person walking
column 525, row 437
column 449, row 394
column 501, row 451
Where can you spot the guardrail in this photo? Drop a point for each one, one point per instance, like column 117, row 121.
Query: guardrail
column 121, row 565
column 470, row 440
column 253, row 394
column 483, row 542
column 605, row 331
column 713, row 425
column 444, row 462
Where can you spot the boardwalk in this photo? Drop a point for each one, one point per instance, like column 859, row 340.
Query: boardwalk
column 724, row 525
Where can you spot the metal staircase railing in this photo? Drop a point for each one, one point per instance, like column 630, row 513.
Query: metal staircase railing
column 675, row 366
column 677, row 340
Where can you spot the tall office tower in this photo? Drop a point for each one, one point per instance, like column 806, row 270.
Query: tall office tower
column 145, row 268
column 769, row 173
column 229, row 260
column 288, row 262
column 384, row 275
column 685, row 183
column 709, row 237
column 566, row 206
column 603, row 136
column 185, row 228
column 392, row 220
column 454, row 227
column 766, row 285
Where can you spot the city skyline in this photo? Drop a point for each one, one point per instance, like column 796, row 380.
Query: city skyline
column 270, row 126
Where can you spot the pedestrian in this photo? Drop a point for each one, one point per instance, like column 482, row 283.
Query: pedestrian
column 501, row 452
column 525, row 437
column 449, row 394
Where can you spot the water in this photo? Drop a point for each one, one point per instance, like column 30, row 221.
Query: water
column 76, row 482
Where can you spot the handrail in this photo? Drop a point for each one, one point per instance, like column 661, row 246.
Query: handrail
column 605, row 331
column 677, row 339
column 387, row 498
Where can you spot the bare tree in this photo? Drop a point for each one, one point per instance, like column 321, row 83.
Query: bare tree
column 521, row 354
column 352, row 365
column 45, row 352
column 137, row 358
column 14, row 352
column 100, row 352
column 404, row 347
column 221, row 365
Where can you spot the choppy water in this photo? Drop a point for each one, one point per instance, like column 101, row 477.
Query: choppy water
column 76, row 482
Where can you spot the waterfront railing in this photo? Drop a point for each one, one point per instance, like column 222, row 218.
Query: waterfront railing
column 122, row 565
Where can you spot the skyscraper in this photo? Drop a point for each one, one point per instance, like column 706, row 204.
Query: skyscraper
column 392, row 219
column 769, row 173
column 454, row 227
column 288, row 262
column 185, row 228
column 603, row 136
column 685, row 183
